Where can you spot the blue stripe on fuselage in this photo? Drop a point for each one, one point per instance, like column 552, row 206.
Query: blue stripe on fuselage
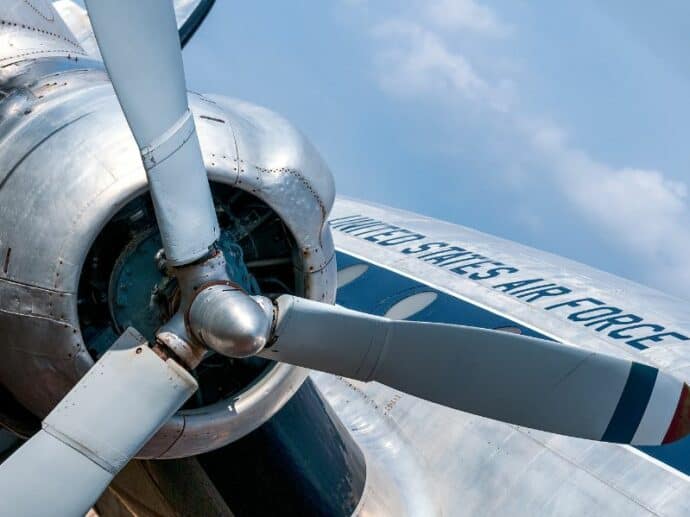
column 378, row 289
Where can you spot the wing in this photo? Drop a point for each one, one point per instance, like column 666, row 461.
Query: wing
column 407, row 266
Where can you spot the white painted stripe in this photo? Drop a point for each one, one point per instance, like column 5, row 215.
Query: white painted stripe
column 350, row 274
column 657, row 417
column 411, row 305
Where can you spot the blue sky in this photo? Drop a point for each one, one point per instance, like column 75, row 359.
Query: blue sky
column 561, row 125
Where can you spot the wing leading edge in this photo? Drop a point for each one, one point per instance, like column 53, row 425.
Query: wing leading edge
column 393, row 262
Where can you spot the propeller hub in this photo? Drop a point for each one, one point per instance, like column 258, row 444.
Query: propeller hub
column 230, row 322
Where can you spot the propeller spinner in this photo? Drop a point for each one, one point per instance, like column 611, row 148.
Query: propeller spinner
column 86, row 440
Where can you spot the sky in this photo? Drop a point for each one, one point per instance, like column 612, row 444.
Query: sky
column 560, row 125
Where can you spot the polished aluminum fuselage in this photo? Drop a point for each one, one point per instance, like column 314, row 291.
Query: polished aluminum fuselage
column 68, row 163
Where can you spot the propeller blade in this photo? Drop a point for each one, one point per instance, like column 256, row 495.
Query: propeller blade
column 94, row 431
column 525, row 381
column 140, row 47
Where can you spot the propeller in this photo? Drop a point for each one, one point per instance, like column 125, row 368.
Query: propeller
column 521, row 380
column 94, row 431
column 140, row 47
column 133, row 389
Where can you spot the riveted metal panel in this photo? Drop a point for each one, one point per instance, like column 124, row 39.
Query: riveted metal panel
column 473, row 465
column 68, row 163
column 31, row 29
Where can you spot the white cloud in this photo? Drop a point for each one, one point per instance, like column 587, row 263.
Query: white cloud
column 464, row 14
column 415, row 61
column 642, row 210
column 645, row 212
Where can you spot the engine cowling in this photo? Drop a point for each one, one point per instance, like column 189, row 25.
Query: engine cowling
column 78, row 244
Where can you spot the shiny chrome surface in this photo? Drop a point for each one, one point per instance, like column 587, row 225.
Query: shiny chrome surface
column 229, row 321
column 68, row 160
column 175, row 332
column 32, row 29
column 278, row 164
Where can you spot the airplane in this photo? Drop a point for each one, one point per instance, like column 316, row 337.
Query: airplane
column 192, row 323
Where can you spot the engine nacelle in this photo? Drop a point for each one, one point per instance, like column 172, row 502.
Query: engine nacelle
column 77, row 239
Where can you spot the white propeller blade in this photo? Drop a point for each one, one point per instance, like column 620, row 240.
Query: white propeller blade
column 94, row 431
column 130, row 392
column 525, row 381
column 140, row 47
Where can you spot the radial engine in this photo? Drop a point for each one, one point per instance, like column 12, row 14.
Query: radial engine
column 80, row 256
